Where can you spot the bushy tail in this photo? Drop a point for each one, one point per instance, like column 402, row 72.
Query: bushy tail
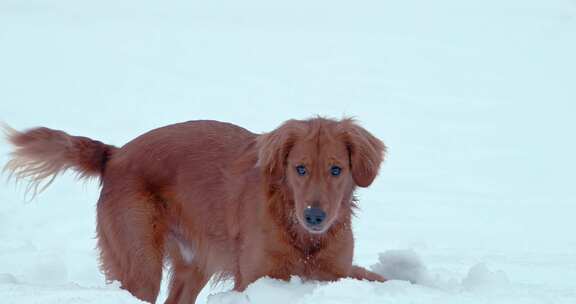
column 41, row 154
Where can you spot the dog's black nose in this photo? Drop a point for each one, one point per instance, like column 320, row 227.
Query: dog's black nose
column 314, row 216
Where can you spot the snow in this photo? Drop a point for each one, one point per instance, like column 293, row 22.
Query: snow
column 475, row 203
column 403, row 265
column 479, row 285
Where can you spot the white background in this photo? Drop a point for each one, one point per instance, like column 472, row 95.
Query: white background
column 475, row 99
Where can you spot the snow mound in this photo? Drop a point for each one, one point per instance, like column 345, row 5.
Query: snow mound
column 409, row 279
column 266, row 290
column 480, row 278
column 403, row 265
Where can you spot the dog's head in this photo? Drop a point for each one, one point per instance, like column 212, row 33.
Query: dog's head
column 318, row 163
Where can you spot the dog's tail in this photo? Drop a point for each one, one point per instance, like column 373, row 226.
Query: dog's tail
column 41, row 154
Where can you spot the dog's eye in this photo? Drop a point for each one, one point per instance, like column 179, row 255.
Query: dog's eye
column 301, row 170
column 335, row 170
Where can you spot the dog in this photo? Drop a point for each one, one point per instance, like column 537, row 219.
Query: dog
column 216, row 200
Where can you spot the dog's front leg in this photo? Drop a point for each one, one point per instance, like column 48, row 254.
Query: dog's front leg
column 361, row 273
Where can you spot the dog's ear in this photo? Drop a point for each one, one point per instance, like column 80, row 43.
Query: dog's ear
column 274, row 147
column 365, row 150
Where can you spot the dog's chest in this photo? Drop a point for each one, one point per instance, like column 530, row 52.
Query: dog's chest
column 307, row 264
column 298, row 263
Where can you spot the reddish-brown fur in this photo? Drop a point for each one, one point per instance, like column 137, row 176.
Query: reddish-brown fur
column 216, row 199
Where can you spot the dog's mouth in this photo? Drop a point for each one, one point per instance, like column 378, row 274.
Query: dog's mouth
column 316, row 230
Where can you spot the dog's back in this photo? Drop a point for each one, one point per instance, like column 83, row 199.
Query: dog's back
column 183, row 155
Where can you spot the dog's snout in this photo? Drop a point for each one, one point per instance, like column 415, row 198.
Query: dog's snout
column 314, row 216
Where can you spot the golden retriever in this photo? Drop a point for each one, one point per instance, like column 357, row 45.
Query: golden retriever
column 215, row 199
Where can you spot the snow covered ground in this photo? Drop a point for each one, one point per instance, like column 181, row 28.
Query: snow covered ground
column 476, row 100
